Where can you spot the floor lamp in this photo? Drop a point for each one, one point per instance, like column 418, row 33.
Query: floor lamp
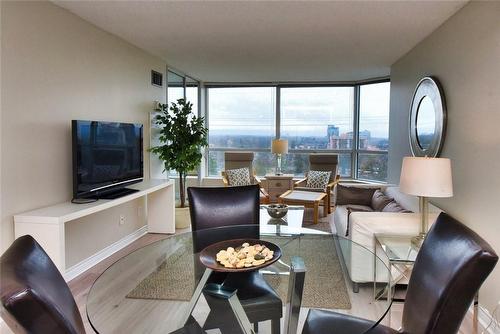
column 425, row 177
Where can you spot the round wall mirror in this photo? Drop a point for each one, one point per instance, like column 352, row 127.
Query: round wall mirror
column 427, row 119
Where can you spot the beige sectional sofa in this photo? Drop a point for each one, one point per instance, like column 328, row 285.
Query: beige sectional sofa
column 366, row 216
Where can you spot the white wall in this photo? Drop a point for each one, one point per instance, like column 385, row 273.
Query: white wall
column 464, row 54
column 58, row 67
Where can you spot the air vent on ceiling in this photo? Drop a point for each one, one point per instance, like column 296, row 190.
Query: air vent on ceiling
column 156, row 78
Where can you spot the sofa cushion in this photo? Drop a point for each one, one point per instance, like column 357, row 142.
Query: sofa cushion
column 380, row 200
column 394, row 206
column 354, row 195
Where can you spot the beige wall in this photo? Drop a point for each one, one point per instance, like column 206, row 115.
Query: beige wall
column 58, row 67
column 464, row 54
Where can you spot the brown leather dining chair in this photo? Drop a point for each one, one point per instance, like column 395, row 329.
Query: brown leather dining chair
column 226, row 206
column 35, row 297
column 449, row 269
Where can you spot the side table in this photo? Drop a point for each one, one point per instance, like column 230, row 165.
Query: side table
column 276, row 185
column 309, row 199
column 401, row 255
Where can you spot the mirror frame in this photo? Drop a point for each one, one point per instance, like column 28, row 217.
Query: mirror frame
column 428, row 86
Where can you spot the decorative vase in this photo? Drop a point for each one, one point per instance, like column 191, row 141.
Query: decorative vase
column 182, row 218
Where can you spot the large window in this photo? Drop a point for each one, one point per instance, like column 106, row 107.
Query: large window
column 317, row 119
column 351, row 121
column 241, row 118
column 175, row 84
column 373, row 141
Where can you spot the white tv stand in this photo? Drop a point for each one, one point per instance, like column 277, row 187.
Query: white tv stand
column 46, row 225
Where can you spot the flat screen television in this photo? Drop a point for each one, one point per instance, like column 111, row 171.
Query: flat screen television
column 107, row 156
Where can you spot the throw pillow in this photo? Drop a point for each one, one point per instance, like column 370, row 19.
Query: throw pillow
column 238, row 177
column 318, row 179
column 395, row 207
column 354, row 195
column 380, row 200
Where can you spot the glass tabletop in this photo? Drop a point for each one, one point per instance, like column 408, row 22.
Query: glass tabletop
column 149, row 290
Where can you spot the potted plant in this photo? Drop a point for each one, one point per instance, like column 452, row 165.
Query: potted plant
column 182, row 136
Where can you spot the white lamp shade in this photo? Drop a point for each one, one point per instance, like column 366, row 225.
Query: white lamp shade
column 429, row 177
column 279, row 146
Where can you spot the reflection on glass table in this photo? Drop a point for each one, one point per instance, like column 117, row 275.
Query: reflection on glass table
column 291, row 224
column 152, row 289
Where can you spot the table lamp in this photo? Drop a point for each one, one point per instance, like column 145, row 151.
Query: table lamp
column 425, row 177
column 279, row 147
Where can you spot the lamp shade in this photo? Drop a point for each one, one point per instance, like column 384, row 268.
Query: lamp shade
column 429, row 177
column 279, row 146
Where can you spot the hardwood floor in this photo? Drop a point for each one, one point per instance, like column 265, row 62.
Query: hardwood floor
column 81, row 285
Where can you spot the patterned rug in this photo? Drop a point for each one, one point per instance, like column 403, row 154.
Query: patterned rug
column 324, row 285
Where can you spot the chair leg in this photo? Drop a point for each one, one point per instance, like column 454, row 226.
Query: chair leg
column 275, row 326
column 256, row 327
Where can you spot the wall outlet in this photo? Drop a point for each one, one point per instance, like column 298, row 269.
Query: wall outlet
column 122, row 220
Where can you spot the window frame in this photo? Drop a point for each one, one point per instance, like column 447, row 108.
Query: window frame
column 358, row 151
column 354, row 152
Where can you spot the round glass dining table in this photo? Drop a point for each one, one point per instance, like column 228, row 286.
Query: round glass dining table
column 156, row 288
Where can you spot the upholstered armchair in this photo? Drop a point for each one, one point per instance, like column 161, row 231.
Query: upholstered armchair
column 322, row 162
column 237, row 160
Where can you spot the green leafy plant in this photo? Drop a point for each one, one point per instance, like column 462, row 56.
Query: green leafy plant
column 182, row 135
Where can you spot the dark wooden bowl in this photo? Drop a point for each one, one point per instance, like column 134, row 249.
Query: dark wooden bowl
column 208, row 255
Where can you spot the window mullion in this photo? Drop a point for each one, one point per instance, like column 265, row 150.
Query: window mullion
column 355, row 134
column 278, row 112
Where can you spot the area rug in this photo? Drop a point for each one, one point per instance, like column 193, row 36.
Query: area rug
column 324, row 285
column 323, row 222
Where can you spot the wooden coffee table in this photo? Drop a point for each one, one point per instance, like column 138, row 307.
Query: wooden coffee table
column 309, row 199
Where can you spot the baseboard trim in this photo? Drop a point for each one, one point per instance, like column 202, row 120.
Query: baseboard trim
column 91, row 261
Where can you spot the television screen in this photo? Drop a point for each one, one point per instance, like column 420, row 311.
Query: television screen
column 106, row 156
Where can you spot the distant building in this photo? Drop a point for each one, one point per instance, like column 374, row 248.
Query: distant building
column 337, row 141
column 332, row 131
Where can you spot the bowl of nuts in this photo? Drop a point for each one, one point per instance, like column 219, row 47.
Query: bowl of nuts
column 277, row 210
column 240, row 255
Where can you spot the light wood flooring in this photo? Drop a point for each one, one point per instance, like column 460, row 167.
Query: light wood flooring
column 81, row 285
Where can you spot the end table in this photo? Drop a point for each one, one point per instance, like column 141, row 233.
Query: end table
column 401, row 255
column 276, row 185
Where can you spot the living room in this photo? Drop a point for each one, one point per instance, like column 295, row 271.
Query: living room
column 332, row 78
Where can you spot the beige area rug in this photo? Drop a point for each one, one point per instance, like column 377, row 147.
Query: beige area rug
column 324, row 285
column 324, row 223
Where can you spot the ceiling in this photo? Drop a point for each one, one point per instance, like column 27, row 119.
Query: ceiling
column 270, row 41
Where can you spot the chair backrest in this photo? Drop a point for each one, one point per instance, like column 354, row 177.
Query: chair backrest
column 324, row 162
column 235, row 160
column 450, row 267
column 223, row 206
column 35, row 297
